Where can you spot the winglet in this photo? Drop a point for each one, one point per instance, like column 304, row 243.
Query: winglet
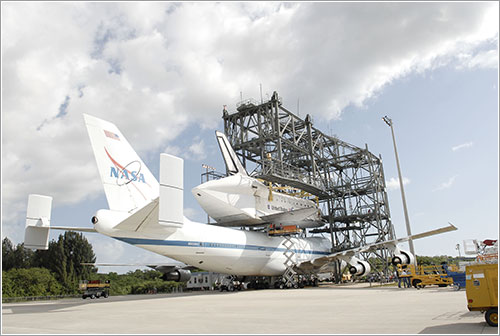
column 451, row 227
column 171, row 191
column 233, row 164
column 36, row 233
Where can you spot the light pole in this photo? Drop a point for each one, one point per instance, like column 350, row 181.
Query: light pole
column 388, row 121
column 458, row 249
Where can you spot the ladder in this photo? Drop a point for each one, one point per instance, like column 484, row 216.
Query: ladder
column 290, row 273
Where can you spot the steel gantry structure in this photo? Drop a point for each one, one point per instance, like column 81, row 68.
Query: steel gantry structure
column 348, row 181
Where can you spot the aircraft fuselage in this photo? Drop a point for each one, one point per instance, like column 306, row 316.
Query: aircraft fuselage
column 221, row 249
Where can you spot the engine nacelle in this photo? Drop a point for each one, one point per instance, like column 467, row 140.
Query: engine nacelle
column 360, row 268
column 403, row 258
column 179, row 276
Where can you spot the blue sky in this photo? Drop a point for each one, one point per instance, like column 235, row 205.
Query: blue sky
column 162, row 72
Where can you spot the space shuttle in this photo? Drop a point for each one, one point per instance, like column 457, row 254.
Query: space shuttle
column 241, row 200
column 148, row 213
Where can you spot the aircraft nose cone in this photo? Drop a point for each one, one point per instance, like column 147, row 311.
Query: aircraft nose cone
column 197, row 191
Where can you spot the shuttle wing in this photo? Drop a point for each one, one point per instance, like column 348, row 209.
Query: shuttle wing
column 308, row 217
column 347, row 254
column 304, row 218
column 289, row 216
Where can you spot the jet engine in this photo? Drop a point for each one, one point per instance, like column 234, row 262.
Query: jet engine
column 360, row 267
column 179, row 276
column 403, row 258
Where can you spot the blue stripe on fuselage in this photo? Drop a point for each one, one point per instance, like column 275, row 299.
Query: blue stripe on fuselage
column 185, row 243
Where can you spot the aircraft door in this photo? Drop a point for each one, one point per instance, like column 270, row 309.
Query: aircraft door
column 199, row 251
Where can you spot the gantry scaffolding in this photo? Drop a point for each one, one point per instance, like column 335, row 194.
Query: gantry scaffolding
column 348, row 180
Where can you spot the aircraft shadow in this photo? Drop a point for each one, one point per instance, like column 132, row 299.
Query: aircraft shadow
column 54, row 306
column 461, row 328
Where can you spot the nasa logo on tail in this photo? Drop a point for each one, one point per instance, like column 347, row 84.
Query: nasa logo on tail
column 130, row 176
column 127, row 172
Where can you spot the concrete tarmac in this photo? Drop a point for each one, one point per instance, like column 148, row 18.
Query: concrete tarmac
column 325, row 310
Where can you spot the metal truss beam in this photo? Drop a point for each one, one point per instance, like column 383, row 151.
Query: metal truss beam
column 348, row 180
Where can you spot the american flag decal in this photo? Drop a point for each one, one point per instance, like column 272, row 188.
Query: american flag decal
column 112, row 135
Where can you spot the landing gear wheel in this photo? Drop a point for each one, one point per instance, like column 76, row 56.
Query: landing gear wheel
column 491, row 317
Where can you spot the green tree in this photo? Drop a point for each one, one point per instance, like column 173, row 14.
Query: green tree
column 18, row 257
column 23, row 257
column 78, row 250
column 29, row 282
column 7, row 254
column 64, row 258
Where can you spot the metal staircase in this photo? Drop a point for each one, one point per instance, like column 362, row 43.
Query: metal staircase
column 289, row 275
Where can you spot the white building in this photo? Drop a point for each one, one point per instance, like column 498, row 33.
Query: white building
column 204, row 280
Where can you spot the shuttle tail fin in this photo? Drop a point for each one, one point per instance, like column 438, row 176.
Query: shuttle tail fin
column 128, row 183
column 233, row 164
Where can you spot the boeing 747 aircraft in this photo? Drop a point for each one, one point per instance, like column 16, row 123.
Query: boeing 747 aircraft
column 149, row 214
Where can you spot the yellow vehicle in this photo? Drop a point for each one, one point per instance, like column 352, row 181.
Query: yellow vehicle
column 482, row 290
column 94, row 288
column 280, row 230
column 422, row 276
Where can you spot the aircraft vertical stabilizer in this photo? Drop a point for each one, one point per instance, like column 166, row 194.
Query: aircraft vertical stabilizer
column 171, row 191
column 127, row 181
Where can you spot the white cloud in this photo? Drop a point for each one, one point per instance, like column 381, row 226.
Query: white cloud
column 154, row 68
column 483, row 60
column 197, row 150
column 393, row 183
column 106, row 249
column 462, row 146
column 172, row 150
column 446, row 185
column 191, row 213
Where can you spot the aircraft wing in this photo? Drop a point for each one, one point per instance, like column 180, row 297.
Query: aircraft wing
column 304, row 218
column 346, row 255
column 301, row 217
column 77, row 229
column 164, row 268
column 289, row 217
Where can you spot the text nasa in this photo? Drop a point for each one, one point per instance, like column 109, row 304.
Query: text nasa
column 118, row 173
